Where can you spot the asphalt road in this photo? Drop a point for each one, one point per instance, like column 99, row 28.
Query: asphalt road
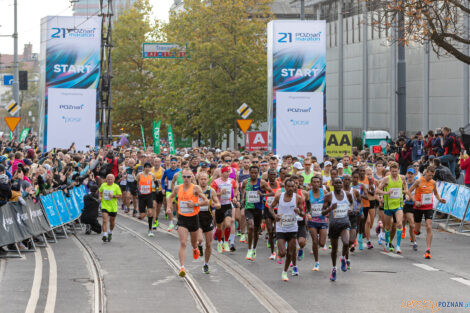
column 139, row 275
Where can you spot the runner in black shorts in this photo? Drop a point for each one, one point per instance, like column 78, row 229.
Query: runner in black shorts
column 146, row 180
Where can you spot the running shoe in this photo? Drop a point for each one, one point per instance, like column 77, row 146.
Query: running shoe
column 291, row 264
column 361, row 245
column 330, row 247
column 333, row 274
column 232, row 248
column 273, row 256
column 284, row 276
column 377, row 229
column 386, row 247
column 253, row 254
column 249, row 254
column 324, row 248
column 301, row 254
column 170, row 227
column 417, row 233
column 316, row 268
column 201, row 250
column 239, row 233
column 278, row 259
column 403, row 234
column 415, row 246
column 104, row 238
column 155, row 225
column 369, row 245
column 243, row 238
column 392, row 248
column 196, row 254
column 150, row 234
column 268, row 245
column 352, row 249
column 226, row 246
column 134, row 213
column 398, row 250
column 166, row 216
column 182, row 272
column 348, row 263
column 126, row 210
column 344, row 266
column 295, row 271
column 110, row 236
column 220, row 247
column 205, row 269
column 427, row 255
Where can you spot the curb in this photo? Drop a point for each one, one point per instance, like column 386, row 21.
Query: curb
column 450, row 230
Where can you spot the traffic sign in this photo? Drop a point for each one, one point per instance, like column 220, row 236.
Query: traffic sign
column 12, row 108
column 244, row 124
column 244, row 110
column 12, row 122
column 159, row 50
column 8, row 80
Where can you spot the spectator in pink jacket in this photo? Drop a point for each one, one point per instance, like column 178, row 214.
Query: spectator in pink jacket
column 465, row 165
column 18, row 160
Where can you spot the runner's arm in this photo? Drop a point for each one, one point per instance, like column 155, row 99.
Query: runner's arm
column 298, row 209
column 413, row 188
column 169, row 201
column 198, row 192
column 273, row 205
column 214, row 199
column 438, row 197
column 383, row 183
column 268, row 190
column 326, row 205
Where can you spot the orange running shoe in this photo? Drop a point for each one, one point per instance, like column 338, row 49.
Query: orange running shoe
column 196, row 253
column 403, row 234
column 182, row 272
column 427, row 255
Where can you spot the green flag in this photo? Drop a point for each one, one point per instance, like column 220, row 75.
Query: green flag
column 11, row 136
column 156, row 137
column 23, row 134
column 171, row 141
column 143, row 136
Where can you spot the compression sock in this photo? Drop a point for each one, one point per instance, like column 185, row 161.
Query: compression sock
column 387, row 237
column 232, row 239
column 149, row 219
column 218, row 233
column 227, row 234
column 359, row 237
column 399, row 232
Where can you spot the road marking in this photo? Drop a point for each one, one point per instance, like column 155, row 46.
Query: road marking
column 426, row 267
column 52, row 292
column 36, row 287
column 392, row 255
column 462, row 280
column 164, row 280
column 2, row 269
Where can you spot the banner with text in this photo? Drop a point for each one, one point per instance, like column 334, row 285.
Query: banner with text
column 338, row 143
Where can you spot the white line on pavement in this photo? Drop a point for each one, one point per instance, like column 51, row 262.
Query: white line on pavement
column 392, row 255
column 2, row 269
column 36, row 287
column 462, row 280
column 52, row 292
column 426, row 267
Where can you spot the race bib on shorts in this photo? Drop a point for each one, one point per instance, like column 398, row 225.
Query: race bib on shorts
column 316, row 209
column 341, row 211
column 426, row 198
column 107, row 194
column 395, row 193
column 252, row 197
column 288, row 220
column 185, row 207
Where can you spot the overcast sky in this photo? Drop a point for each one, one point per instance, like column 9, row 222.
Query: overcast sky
column 30, row 13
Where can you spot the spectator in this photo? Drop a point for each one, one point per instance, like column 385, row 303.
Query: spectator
column 442, row 173
column 417, row 147
column 404, row 156
column 90, row 211
column 451, row 149
column 428, row 143
column 465, row 165
column 5, row 188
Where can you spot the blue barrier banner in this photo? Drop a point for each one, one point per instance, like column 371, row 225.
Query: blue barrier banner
column 461, row 202
column 449, row 193
column 61, row 206
column 78, row 198
column 82, row 190
column 51, row 211
column 72, row 206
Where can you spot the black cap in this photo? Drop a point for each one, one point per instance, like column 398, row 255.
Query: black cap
column 204, row 165
column 147, row 164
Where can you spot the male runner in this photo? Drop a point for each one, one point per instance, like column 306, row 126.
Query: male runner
column 166, row 185
column 189, row 196
column 356, row 212
column 109, row 193
column 157, row 191
column 252, row 191
column 307, row 174
column 316, row 222
column 270, row 219
column 364, row 180
column 288, row 207
column 145, row 180
column 206, row 217
column 243, row 175
column 131, row 186
column 424, row 188
column 408, row 210
column 338, row 205
column 302, row 230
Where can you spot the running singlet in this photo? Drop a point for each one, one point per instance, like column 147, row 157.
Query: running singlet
column 365, row 182
column 252, row 197
column 145, row 184
column 130, row 177
column 300, row 218
column 206, row 208
column 184, row 199
column 357, row 204
column 307, row 177
column 269, row 200
column 288, row 222
column 218, row 185
column 179, row 179
column 158, row 176
column 316, row 205
column 409, row 202
column 242, row 177
column 395, row 199
column 340, row 213
column 424, row 194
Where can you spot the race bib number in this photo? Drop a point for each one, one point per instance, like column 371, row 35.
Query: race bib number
column 288, row 220
column 204, row 208
column 395, row 193
column 316, row 209
column 226, row 192
column 269, row 201
column 107, row 194
column 185, row 207
column 426, row 198
column 252, row 197
column 341, row 211
column 145, row 189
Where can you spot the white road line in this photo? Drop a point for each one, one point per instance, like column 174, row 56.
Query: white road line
column 2, row 269
column 426, row 267
column 462, row 280
column 36, row 287
column 392, row 255
column 52, row 292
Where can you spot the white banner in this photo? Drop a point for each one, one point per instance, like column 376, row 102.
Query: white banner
column 71, row 118
column 300, row 123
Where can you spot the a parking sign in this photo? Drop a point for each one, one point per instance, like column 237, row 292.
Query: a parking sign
column 8, row 80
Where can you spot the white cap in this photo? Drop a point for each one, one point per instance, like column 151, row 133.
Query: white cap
column 340, row 165
column 327, row 163
column 217, row 150
column 298, row 165
column 186, row 156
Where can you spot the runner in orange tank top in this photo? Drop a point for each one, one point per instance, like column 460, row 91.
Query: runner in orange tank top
column 189, row 203
column 425, row 188
column 144, row 192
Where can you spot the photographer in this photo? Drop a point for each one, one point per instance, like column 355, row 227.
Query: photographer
column 90, row 211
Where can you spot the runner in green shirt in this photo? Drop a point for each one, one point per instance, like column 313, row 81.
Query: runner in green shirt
column 109, row 193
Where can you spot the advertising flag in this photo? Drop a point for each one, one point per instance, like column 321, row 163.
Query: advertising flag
column 171, row 141
column 143, row 136
column 156, row 136
column 23, row 134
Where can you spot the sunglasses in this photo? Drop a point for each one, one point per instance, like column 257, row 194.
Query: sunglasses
column 415, row 165
column 186, row 176
column 228, row 161
column 255, row 162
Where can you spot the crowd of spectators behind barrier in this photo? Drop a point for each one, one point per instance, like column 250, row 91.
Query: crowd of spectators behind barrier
column 27, row 171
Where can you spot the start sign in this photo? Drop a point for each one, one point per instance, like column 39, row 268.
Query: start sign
column 256, row 140
column 338, row 143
